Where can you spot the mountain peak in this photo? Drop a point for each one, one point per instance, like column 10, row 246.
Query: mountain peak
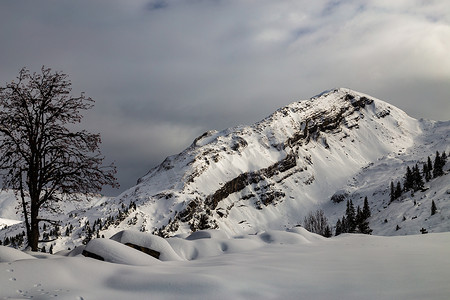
column 293, row 160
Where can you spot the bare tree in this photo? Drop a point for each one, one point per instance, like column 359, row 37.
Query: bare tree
column 41, row 158
column 317, row 222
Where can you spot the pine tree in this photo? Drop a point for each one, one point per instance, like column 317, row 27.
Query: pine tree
column 426, row 173
column 444, row 157
column 351, row 217
column 344, row 226
column 366, row 209
column 417, row 179
column 408, row 179
column 392, row 192
column 359, row 216
column 338, row 227
column 327, row 233
column 363, row 227
column 429, row 165
column 398, row 190
column 438, row 166
column 433, row 208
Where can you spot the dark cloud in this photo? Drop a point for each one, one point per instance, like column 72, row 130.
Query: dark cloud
column 157, row 4
column 162, row 72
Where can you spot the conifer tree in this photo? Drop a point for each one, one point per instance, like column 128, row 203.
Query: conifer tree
column 426, row 172
column 408, row 179
column 327, row 232
column 417, row 179
column 359, row 216
column 398, row 190
column 363, row 227
column 429, row 164
column 351, row 217
column 366, row 209
column 338, row 227
column 438, row 166
column 392, row 192
column 433, row 208
column 344, row 223
column 443, row 158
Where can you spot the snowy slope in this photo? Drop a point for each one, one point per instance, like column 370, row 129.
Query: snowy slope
column 271, row 174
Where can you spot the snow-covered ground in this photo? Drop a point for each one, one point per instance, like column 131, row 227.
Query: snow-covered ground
column 269, row 265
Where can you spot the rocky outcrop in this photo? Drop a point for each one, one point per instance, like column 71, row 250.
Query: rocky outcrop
column 245, row 179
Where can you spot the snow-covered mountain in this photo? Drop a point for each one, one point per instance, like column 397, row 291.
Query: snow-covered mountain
column 270, row 175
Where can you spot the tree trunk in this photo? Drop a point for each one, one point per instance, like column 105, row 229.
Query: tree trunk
column 25, row 212
column 33, row 238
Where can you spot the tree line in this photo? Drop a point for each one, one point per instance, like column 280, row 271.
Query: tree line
column 353, row 221
column 414, row 178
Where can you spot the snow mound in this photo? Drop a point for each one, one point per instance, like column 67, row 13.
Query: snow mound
column 115, row 252
column 350, row 266
column 147, row 242
column 8, row 254
column 207, row 234
column 278, row 237
column 309, row 236
column 208, row 243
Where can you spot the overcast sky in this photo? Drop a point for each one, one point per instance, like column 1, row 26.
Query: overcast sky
column 164, row 71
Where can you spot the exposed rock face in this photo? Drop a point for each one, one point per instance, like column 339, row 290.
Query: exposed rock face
column 245, row 179
column 224, row 178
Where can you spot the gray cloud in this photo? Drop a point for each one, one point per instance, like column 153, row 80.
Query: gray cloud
column 164, row 71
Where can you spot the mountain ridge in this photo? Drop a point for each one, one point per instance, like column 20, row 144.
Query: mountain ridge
column 270, row 175
column 247, row 159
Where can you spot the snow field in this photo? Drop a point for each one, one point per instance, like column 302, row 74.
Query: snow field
column 270, row 265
